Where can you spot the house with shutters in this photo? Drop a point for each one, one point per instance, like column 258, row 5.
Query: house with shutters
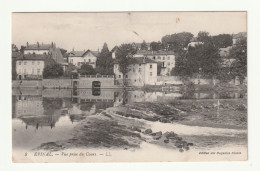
column 143, row 71
column 78, row 58
column 164, row 58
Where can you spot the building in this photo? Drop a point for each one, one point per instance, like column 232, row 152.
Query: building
column 164, row 58
column 77, row 58
column 142, row 72
column 38, row 48
column 30, row 66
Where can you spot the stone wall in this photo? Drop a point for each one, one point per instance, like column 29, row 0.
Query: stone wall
column 57, row 83
column 106, row 81
column 27, row 83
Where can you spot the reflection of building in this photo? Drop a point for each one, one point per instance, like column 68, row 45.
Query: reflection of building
column 28, row 106
column 164, row 58
column 142, row 72
column 78, row 58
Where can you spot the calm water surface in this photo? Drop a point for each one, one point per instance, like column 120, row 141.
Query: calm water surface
column 50, row 115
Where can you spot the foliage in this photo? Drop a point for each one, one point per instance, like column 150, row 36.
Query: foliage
column 124, row 57
column 177, row 41
column 202, row 59
column 144, row 46
column 52, row 71
column 156, row 46
column 222, row 40
column 224, row 74
column 239, row 53
column 105, row 62
column 68, row 72
column 203, row 36
column 87, row 70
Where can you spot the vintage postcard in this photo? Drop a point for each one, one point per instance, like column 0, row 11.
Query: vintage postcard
column 129, row 87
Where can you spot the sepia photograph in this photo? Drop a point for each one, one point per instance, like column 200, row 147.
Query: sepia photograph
column 129, row 86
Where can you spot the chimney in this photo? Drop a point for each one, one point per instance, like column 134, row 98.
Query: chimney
column 51, row 44
column 27, row 44
column 38, row 45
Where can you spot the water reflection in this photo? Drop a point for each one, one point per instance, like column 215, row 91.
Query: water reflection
column 45, row 115
column 42, row 108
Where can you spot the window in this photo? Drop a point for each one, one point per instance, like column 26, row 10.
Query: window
column 85, row 60
column 119, row 76
column 89, row 60
column 133, row 69
column 78, row 63
column 25, row 62
column 159, row 57
column 20, row 62
column 33, row 62
column 151, row 74
column 71, row 61
column 168, row 58
column 126, row 76
column 154, row 57
column 163, row 58
column 38, row 62
column 151, row 66
column 140, row 70
column 140, row 64
column 168, row 63
column 38, row 71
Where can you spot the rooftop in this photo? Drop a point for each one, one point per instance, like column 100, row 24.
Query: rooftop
column 81, row 53
column 161, row 52
column 39, row 46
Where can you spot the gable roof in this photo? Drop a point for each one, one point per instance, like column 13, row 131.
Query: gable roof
column 82, row 53
column 57, row 55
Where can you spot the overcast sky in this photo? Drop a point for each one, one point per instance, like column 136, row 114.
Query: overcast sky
column 83, row 31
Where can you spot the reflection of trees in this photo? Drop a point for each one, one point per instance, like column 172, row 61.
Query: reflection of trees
column 52, row 103
column 103, row 105
column 86, row 106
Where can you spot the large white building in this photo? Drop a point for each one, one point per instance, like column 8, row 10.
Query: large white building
column 142, row 72
column 78, row 58
column 165, row 58
column 30, row 66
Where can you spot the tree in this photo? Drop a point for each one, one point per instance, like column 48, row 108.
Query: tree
column 177, row 41
column 105, row 61
column 144, row 46
column 202, row 60
column 203, row 36
column 124, row 57
column 222, row 40
column 155, row 46
column 53, row 71
column 87, row 70
column 239, row 53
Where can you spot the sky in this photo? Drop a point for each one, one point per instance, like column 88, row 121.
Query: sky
column 83, row 31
